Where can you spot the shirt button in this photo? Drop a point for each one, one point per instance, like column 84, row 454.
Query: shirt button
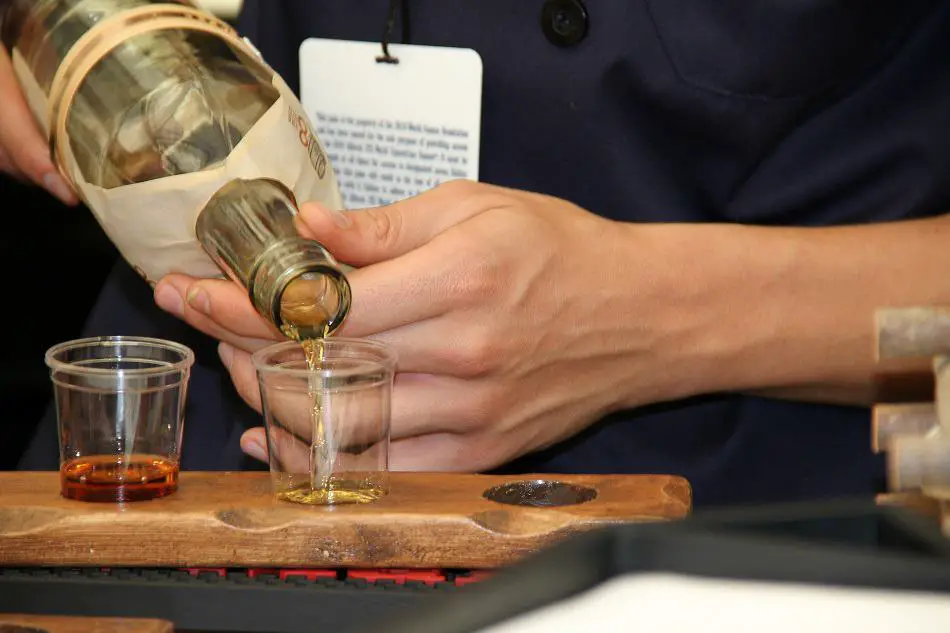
column 564, row 22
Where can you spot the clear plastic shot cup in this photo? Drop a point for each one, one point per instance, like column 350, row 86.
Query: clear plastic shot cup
column 326, row 406
column 120, row 403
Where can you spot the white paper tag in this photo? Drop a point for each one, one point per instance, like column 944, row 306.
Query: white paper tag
column 393, row 130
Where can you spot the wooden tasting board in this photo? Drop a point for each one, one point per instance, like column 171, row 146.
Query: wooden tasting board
column 227, row 519
column 61, row 624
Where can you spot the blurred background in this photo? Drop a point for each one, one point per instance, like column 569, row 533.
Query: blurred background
column 56, row 260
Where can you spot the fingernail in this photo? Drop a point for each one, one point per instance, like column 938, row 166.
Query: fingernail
column 169, row 300
column 197, row 298
column 226, row 353
column 55, row 184
column 255, row 450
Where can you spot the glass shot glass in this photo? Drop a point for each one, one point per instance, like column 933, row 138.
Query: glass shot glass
column 120, row 403
column 326, row 407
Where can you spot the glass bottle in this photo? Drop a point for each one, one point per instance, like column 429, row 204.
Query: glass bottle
column 248, row 229
column 141, row 96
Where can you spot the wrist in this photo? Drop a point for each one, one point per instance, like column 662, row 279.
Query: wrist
column 713, row 306
column 779, row 312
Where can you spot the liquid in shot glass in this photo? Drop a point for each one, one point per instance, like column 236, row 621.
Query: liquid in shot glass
column 120, row 405
column 326, row 405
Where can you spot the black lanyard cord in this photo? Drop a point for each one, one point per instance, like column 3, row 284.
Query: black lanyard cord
column 398, row 8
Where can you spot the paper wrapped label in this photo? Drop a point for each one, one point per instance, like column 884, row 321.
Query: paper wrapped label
column 152, row 224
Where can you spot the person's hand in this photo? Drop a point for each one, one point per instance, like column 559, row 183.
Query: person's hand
column 24, row 152
column 518, row 319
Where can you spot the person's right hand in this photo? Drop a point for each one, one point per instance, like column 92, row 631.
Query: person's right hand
column 24, row 152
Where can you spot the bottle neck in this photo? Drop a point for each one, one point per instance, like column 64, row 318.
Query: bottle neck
column 248, row 229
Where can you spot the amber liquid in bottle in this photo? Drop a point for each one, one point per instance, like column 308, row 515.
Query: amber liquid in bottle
column 115, row 479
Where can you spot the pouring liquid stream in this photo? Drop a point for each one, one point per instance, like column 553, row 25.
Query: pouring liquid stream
column 307, row 320
column 322, row 453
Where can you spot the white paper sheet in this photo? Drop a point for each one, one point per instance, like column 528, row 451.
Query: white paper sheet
column 668, row 603
column 393, row 130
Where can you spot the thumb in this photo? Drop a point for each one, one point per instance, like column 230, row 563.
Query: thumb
column 375, row 234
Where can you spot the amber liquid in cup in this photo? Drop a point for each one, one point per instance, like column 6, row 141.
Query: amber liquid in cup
column 324, row 487
column 326, row 407
column 115, row 479
column 120, row 405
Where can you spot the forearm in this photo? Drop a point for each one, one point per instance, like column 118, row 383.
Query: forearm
column 789, row 312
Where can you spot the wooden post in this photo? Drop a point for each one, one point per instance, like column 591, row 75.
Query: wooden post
column 916, row 436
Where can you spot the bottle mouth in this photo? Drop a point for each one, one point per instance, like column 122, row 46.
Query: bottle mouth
column 312, row 302
column 298, row 286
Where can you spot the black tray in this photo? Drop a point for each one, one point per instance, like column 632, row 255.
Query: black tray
column 847, row 544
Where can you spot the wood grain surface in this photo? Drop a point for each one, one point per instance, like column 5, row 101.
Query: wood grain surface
column 15, row 623
column 231, row 519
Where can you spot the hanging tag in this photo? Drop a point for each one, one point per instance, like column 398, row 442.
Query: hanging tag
column 393, row 130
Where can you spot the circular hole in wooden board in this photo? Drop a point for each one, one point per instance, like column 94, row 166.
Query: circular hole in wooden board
column 540, row 493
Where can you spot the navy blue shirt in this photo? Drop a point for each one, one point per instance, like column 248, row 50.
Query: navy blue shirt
column 774, row 113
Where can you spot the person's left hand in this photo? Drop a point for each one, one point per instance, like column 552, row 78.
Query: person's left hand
column 518, row 319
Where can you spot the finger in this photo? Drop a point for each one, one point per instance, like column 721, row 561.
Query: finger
column 443, row 346
column 217, row 307
column 427, row 453
column 442, row 452
column 243, row 375
column 460, row 269
column 426, row 404
column 288, row 417
column 254, row 443
column 338, row 418
column 295, row 456
column 343, row 425
column 413, row 287
column 288, row 398
column 291, row 454
column 21, row 137
column 375, row 234
column 417, row 286
column 420, row 405
column 413, row 446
